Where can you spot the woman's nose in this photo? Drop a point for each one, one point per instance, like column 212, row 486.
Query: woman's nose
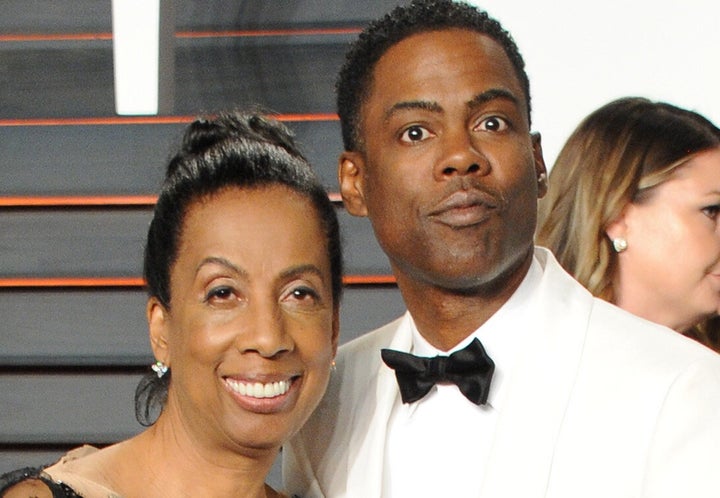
column 265, row 332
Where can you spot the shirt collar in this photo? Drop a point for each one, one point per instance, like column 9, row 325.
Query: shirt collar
column 500, row 335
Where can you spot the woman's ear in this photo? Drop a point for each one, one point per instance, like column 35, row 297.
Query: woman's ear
column 335, row 330
column 617, row 229
column 351, row 177
column 157, row 317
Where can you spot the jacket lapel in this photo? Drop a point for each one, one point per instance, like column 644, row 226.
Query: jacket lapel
column 538, row 394
column 367, row 448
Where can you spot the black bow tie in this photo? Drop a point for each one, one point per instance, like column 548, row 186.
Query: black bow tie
column 471, row 369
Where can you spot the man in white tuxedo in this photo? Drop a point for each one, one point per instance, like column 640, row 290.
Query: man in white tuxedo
column 584, row 400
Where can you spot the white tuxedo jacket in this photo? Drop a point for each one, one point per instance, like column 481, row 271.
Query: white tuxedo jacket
column 605, row 405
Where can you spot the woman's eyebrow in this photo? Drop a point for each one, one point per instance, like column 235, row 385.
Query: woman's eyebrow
column 216, row 260
column 300, row 269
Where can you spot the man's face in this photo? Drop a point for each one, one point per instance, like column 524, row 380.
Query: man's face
column 448, row 171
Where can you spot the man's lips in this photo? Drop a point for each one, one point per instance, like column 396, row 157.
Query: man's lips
column 464, row 208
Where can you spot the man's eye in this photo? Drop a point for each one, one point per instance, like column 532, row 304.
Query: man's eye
column 415, row 134
column 493, row 123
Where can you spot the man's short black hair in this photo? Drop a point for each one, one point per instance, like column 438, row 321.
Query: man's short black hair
column 420, row 16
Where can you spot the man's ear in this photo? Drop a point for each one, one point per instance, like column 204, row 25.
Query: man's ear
column 158, row 324
column 540, row 168
column 351, row 177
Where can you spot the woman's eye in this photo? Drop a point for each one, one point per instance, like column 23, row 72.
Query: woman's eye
column 415, row 134
column 303, row 296
column 493, row 123
column 712, row 211
column 304, row 293
column 219, row 294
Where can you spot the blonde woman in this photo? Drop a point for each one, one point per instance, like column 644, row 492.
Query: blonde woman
column 633, row 213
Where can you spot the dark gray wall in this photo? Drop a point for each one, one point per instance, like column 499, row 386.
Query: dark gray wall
column 70, row 356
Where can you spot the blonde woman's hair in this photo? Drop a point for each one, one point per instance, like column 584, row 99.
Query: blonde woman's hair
column 616, row 156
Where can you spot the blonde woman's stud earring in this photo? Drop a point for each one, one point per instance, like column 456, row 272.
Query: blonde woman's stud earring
column 619, row 244
column 159, row 368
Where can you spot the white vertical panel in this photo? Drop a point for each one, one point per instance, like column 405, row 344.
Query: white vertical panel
column 136, row 55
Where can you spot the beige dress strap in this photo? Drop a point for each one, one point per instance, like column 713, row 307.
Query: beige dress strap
column 82, row 486
column 86, row 488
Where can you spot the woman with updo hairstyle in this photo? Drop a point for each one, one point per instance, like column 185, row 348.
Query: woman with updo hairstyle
column 633, row 213
column 244, row 275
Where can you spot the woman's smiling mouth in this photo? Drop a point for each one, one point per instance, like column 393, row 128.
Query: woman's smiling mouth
column 259, row 389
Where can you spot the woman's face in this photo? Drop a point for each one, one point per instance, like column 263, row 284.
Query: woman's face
column 252, row 328
column 670, row 272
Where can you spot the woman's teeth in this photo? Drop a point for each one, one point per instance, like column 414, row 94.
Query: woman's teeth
column 258, row 389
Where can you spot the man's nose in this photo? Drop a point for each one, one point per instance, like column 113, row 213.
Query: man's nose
column 461, row 156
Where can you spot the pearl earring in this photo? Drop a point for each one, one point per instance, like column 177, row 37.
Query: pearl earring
column 619, row 244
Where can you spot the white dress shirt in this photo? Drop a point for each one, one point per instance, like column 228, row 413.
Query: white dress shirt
column 439, row 445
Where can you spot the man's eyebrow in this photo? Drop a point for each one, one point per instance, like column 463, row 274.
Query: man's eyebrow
column 432, row 106
column 424, row 105
column 492, row 94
